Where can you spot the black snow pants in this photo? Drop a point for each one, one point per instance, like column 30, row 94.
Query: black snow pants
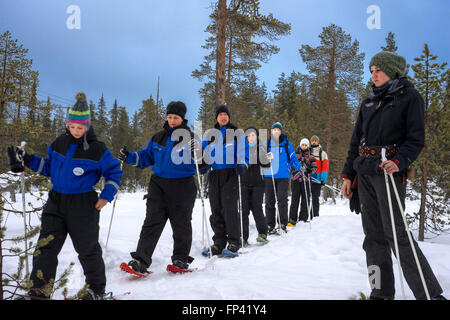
column 281, row 186
column 379, row 242
column 299, row 196
column 223, row 198
column 173, row 200
column 252, row 198
column 72, row 214
column 316, row 188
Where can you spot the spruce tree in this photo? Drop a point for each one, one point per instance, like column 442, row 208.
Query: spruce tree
column 431, row 79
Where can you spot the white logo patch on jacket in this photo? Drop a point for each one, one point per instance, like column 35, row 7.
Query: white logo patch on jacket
column 78, row 171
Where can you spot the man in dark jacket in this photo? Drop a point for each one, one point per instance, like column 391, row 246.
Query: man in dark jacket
column 392, row 116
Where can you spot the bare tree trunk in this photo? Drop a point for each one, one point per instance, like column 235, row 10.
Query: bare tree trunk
column 423, row 201
column 3, row 85
column 1, row 266
column 423, row 187
column 331, row 82
column 220, row 52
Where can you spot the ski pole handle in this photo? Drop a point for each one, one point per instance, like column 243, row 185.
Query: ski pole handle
column 21, row 153
column 124, row 148
column 22, row 145
column 383, row 154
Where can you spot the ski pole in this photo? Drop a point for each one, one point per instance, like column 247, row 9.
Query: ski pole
column 411, row 242
column 306, row 194
column 394, row 232
column 114, row 206
column 328, row 186
column 276, row 198
column 240, row 211
column 204, row 221
column 20, row 158
column 310, row 198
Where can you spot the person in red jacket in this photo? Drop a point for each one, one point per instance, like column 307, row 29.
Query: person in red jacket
column 320, row 177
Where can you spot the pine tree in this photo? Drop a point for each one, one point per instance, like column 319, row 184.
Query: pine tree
column 390, row 43
column 114, row 131
column 239, row 54
column 151, row 120
column 336, row 68
column 431, row 79
column 101, row 125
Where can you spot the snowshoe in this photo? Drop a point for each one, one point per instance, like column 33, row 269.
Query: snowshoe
column 179, row 266
column 134, row 268
column 231, row 251
column 291, row 223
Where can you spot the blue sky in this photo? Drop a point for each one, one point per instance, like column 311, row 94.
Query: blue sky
column 123, row 46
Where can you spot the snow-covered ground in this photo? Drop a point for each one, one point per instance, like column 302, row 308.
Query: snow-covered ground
column 321, row 260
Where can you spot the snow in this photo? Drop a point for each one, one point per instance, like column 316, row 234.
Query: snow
column 319, row 260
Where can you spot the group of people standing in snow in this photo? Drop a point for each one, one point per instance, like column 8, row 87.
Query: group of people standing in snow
column 242, row 168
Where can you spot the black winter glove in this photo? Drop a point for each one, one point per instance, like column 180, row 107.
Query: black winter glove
column 241, row 169
column 123, row 154
column 354, row 200
column 15, row 160
column 355, row 206
column 295, row 175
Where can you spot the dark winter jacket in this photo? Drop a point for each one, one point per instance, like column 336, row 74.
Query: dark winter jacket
column 160, row 149
column 255, row 158
column 391, row 116
column 75, row 170
column 308, row 161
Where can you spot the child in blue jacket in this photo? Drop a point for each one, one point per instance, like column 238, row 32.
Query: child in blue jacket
column 76, row 161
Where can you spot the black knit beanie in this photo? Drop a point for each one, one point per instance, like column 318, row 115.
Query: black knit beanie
column 222, row 108
column 177, row 107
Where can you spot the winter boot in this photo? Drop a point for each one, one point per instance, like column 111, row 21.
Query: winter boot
column 262, row 238
column 233, row 248
column 138, row 266
column 180, row 264
column 231, row 251
column 215, row 250
column 91, row 295
column 272, row 230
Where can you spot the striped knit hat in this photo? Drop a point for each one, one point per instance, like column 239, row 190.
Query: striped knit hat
column 80, row 113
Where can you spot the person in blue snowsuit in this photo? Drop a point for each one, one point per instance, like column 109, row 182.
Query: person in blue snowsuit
column 226, row 155
column 76, row 161
column 171, row 192
column 284, row 157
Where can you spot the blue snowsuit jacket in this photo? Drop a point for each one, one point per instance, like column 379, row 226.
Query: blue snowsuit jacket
column 75, row 170
column 283, row 158
column 223, row 154
column 169, row 157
